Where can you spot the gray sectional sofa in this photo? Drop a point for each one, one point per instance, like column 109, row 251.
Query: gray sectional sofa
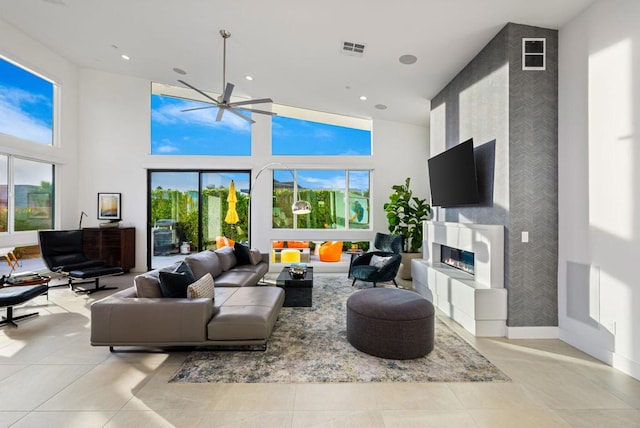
column 241, row 313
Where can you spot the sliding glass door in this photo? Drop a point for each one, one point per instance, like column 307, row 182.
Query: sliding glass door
column 187, row 210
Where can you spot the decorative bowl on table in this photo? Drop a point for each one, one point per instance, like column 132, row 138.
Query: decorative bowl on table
column 297, row 272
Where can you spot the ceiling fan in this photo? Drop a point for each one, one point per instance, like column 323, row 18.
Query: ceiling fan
column 223, row 102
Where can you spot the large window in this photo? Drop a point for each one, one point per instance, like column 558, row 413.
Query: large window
column 193, row 207
column 178, row 132
column 339, row 199
column 26, row 104
column 26, row 116
column 31, row 207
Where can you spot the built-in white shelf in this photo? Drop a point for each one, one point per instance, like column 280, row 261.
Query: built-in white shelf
column 477, row 302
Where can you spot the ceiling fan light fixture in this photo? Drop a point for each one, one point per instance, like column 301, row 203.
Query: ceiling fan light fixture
column 224, row 101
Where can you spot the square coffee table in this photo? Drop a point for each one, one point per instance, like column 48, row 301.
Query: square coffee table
column 297, row 292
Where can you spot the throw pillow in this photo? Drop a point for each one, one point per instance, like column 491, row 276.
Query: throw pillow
column 379, row 261
column 204, row 287
column 203, row 262
column 242, row 254
column 227, row 258
column 174, row 284
column 184, row 268
column 148, row 284
column 255, row 256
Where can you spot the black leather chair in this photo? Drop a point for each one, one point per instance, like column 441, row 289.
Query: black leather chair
column 388, row 248
column 62, row 252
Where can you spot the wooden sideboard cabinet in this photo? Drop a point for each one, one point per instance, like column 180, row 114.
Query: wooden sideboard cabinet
column 115, row 245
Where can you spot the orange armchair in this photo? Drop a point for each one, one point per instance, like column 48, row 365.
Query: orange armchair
column 223, row 241
column 297, row 244
column 331, row 251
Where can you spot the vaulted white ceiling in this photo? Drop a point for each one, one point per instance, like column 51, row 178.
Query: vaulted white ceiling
column 292, row 48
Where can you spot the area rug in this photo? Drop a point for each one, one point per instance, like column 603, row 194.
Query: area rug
column 309, row 345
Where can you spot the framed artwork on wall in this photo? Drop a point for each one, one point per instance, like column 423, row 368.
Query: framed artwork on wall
column 109, row 206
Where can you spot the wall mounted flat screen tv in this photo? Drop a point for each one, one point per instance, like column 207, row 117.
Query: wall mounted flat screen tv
column 453, row 179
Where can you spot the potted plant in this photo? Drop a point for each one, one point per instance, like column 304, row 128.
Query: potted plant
column 405, row 214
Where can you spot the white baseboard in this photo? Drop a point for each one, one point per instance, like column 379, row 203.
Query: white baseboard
column 625, row 365
column 593, row 348
column 532, row 332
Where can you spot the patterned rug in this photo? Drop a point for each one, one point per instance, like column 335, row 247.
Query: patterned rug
column 310, row 345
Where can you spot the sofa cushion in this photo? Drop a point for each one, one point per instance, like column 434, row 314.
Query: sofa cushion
column 243, row 255
column 204, row 262
column 204, row 287
column 238, row 277
column 174, row 284
column 227, row 258
column 147, row 285
column 255, row 256
column 248, row 314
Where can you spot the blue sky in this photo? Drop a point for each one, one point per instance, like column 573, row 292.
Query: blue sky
column 326, row 179
column 301, row 137
column 174, row 132
column 26, row 104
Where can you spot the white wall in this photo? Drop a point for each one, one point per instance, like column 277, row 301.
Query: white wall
column 16, row 46
column 599, row 183
column 114, row 156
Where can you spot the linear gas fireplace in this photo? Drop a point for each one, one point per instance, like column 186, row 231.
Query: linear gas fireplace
column 459, row 259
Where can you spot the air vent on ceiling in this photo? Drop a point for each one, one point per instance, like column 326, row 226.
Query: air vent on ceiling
column 352, row 48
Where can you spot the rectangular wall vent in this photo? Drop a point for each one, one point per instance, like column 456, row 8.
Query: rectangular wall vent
column 352, row 48
column 534, row 54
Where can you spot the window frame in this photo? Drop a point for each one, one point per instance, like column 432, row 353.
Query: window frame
column 15, row 147
column 347, row 202
column 322, row 118
column 187, row 94
column 55, row 107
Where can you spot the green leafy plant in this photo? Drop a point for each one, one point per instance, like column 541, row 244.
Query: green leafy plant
column 405, row 214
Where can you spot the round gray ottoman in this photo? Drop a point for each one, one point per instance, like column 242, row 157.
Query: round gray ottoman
column 390, row 323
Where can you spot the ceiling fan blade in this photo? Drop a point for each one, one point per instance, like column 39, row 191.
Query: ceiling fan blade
column 253, row 110
column 241, row 115
column 198, row 108
column 198, row 91
column 260, row 101
column 227, row 93
column 219, row 115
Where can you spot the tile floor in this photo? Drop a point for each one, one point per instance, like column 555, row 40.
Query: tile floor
column 51, row 377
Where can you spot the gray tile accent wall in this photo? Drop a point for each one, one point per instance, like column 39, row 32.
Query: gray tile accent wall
column 533, row 181
column 492, row 100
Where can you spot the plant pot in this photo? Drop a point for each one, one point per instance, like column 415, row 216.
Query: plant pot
column 405, row 266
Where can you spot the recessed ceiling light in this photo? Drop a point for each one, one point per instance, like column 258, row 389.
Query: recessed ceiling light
column 179, row 70
column 248, row 77
column 380, row 106
column 408, row 59
column 363, row 98
column 125, row 57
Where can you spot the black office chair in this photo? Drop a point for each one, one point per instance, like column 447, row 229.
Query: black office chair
column 388, row 249
column 62, row 252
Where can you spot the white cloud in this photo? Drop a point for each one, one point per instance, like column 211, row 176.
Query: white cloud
column 166, row 147
column 170, row 113
column 336, row 183
column 16, row 121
